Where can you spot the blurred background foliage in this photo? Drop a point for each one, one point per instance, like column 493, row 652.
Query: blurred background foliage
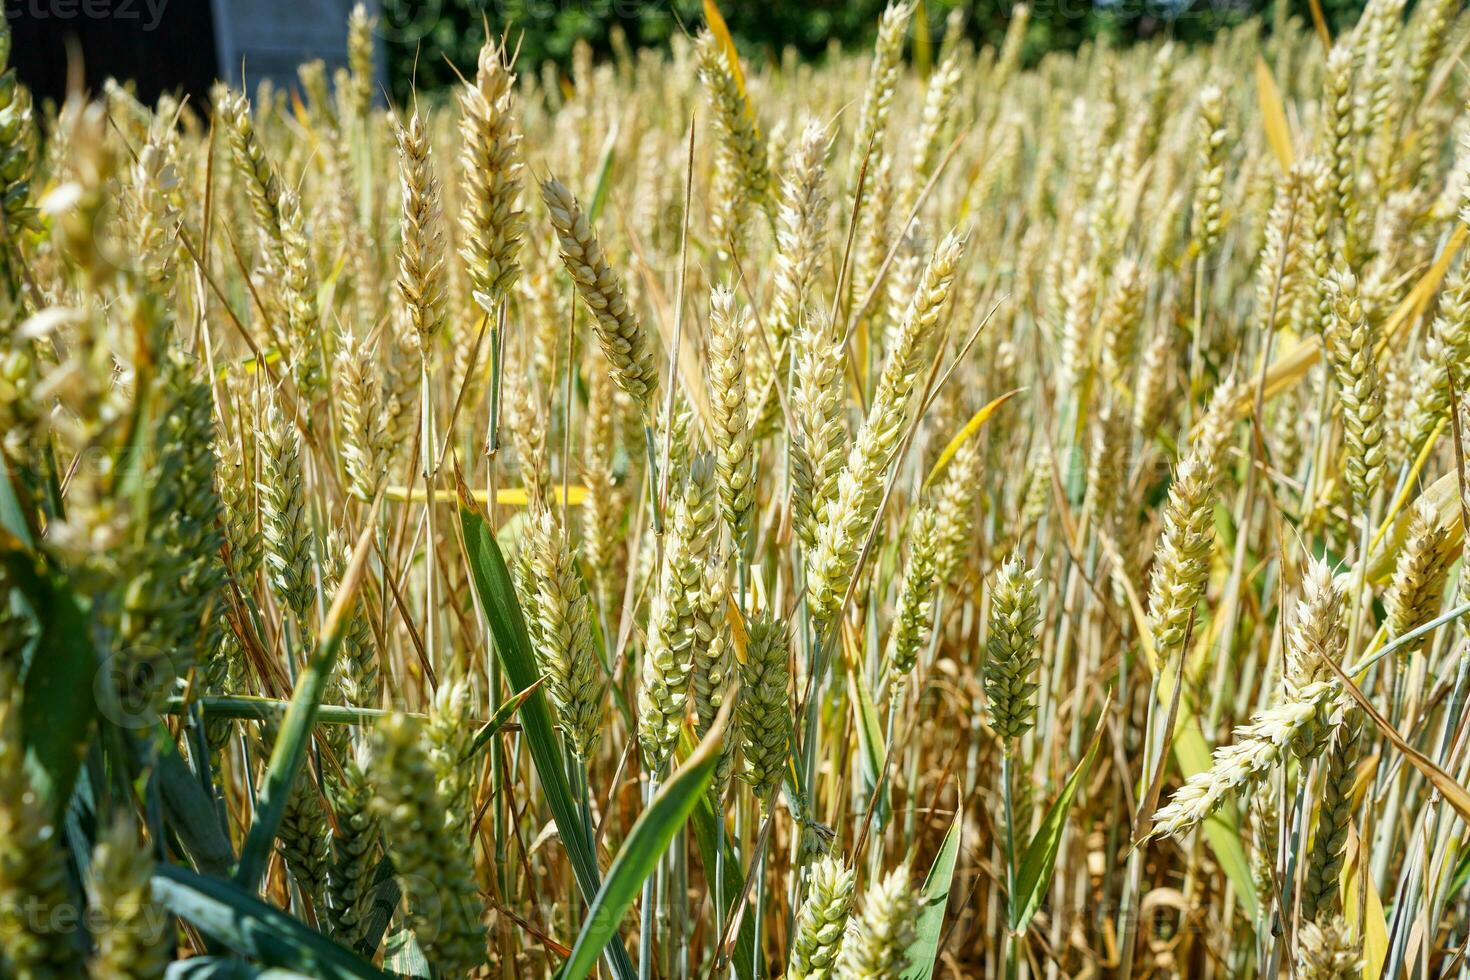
column 434, row 37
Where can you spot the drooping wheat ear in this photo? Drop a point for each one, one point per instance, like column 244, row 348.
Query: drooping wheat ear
column 1278, row 276
column 448, row 734
column 1264, row 822
column 801, row 239
column 1446, row 352
column 1350, row 341
column 619, row 333
column 742, row 173
column 1211, row 436
column 1149, row 403
column 1011, row 650
column 817, row 434
column 875, row 226
column 1079, row 296
column 821, row 925
column 356, row 843
column 357, row 660
column 1107, row 469
column 954, row 512
column 1339, row 150
column 879, row 943
column 1432, row 32
column 1207, row 213
column 730, row 413
column 1118, row 323
column 186, row 431
column 17, row 143
column 1383, row 74
column 935, row 122
column 434, row 864
column 1182, row 558
column 223, row 673
column 132, row 933
column 303, row 840
column 854, row 507
column 1314, row 241
column 1334, row 816
column 565, row 629
column 714, row 664
column 1258, row 748
column 1009, row 58
column 360, row 412
column 528, row 434
column 878, row 96
column 1327, row 951
column 763, row 716
column 283, row 519
column 1318, row 632
column 359, row 93
column 914, row 617
column 303, row 327
column 150, row 211
column 236, row 491
column 900, row 284
column 603, row 506
column 490, row 168
column 1040, row 469
column 421, row 274
column 663, row 694
column 1419, row 576
column 171, row 571
column 263, row 188
column 677, row 422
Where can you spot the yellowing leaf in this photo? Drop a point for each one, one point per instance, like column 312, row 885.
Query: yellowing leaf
column 509, row 497
column 1453, row 793
column 1273, row 115
column 971, row 427
column 1423, row 291
column 1319, row 21
column 1374, row 929
column 718, row 28
column 738, row 635
column 1292, row 366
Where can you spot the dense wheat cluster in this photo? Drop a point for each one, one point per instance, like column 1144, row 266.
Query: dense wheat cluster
column 914, row 515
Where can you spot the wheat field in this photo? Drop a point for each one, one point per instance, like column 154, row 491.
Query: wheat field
column 707, row 514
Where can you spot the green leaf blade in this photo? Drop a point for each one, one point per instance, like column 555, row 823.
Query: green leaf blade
column 497, row 597
column 664, row 817
column 933, row 900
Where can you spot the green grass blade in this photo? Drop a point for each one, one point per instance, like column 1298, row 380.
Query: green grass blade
column 238, row 920
column 640, row 853
column 870, row 729
column 218, row 968
column 513, row 647
column 289, row 752
column 604, row 176
column 405, row 958
column 1033, row 878
column 497, row 721
column 192, row 815
column 933, row 900
column 58, row 705
column 707, row 836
